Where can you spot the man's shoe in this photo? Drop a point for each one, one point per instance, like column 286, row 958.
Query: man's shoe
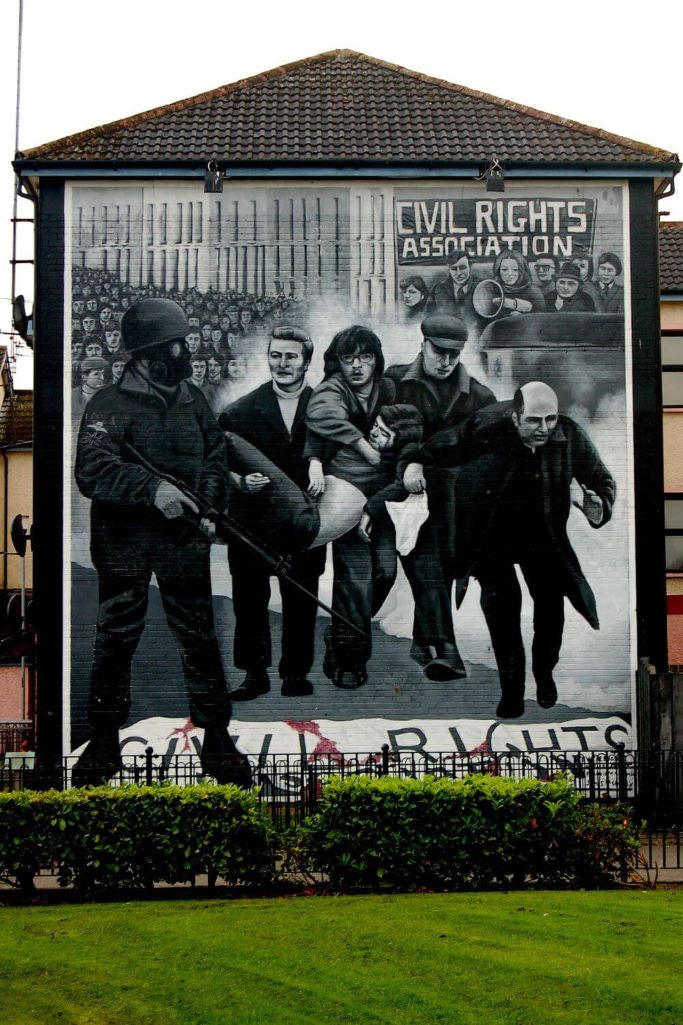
column 221, row 759
column 546, row 690
column 447, row 665
column 255, row 683
column 350, row 679
column 510, row 707
column 423, row 654
column 100, row 761
column 296, row 687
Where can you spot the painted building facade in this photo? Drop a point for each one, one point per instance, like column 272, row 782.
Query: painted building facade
column 486, row 306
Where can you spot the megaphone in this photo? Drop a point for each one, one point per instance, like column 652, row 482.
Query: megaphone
column 488, row 298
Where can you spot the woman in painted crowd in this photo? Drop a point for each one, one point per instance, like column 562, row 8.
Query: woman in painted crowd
column 521, row 295
column 415, row 297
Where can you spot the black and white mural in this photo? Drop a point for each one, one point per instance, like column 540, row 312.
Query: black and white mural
column 350, row 465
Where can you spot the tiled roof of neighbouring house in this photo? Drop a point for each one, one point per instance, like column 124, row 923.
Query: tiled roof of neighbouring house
column 16, row 419
column 671, row 256
column 345, row 106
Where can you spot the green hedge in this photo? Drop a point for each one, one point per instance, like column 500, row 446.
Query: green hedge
column 478, row 832
column 131, row 837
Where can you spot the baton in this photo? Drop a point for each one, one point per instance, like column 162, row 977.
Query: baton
column 278, row 563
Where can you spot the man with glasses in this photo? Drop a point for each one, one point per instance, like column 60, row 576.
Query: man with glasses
column 341, row 412
column 436, row 383
column 545, row 269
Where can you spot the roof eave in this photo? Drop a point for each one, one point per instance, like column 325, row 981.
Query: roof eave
column 389, row 168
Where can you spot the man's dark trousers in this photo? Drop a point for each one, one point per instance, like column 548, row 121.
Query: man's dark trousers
column 429, row 567
column 363, row 577
column 250, row 596
column 501, row 603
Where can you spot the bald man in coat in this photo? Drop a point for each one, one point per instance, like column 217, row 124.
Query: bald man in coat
column 517, row 461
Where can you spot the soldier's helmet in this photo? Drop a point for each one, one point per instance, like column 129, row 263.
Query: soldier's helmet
column 152, row 322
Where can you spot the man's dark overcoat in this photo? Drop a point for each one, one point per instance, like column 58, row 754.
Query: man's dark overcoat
column 282, row 516
column 428, row 567
column 256, row 417
column 484, row 450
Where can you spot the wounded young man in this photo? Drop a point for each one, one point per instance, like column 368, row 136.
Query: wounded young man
column 351, row 503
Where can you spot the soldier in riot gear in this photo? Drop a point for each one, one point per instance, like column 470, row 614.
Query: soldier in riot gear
column 139, row 527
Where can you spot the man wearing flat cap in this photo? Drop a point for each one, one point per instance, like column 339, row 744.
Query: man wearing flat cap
column 440, row 387
column 93, row 371
column 611, row 294
column 142, row 524
column 566, row 294
column 272, row 419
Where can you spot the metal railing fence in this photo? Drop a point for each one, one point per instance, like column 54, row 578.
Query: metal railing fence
column 648, row 780
column 291, row 785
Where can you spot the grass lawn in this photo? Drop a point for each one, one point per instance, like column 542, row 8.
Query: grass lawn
column 456, row 959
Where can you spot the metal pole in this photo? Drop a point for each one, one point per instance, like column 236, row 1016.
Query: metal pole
column 16, row 148
column 23, row 628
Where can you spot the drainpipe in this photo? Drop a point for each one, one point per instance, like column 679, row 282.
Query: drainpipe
column 5, row 506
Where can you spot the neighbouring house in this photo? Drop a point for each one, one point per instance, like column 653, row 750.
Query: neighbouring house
column 16, row 483
column 671, row 311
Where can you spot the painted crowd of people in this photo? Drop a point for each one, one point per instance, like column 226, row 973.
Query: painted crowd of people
column 579, row 284
column 226, row 330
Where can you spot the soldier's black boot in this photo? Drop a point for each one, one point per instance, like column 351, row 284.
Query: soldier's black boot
column 101, row 758
column 221, row 759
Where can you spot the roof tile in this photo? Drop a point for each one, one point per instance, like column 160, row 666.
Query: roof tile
column 16, row 418
column 671, row 256
column 345, row 106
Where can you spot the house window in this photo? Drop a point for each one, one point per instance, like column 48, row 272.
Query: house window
column 673, row 529
column 672, row 370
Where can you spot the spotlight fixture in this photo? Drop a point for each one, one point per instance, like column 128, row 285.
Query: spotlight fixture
column 213, row 177
column 494, row 176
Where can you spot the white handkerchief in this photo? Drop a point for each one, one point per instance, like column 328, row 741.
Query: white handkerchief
column 408, row 517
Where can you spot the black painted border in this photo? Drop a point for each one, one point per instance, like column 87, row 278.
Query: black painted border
column 48, row 449
column 647, row 427
column 48, row 476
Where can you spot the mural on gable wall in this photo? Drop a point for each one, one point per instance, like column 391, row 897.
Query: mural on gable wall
column 420, row 396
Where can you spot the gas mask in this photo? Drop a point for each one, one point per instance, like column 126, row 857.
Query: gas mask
column 169, row 363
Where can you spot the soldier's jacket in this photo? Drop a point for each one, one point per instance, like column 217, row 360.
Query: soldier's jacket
column 128, row 534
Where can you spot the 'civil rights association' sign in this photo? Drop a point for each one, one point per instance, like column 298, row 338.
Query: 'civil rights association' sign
column 428, row 230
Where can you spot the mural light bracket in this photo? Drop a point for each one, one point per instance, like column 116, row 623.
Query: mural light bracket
column 494, row 176
column 214, row 176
